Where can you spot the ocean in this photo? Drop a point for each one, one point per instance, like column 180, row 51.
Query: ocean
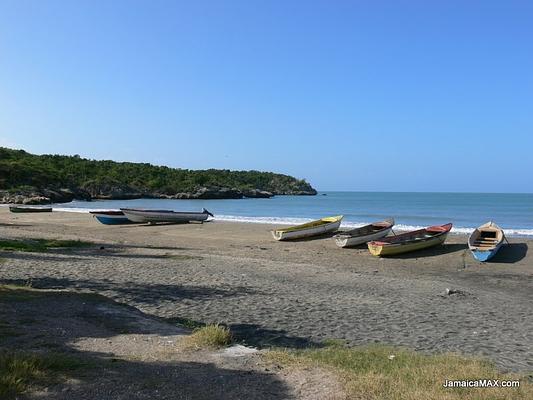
column 513, row 212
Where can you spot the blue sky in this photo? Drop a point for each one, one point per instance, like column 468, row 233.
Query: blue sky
column 351, row 95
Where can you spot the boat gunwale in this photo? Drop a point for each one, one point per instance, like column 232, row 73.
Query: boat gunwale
column 311, row 224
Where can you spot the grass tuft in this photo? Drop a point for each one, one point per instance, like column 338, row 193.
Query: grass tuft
column 209, row 336
column 382, row 372
column 19, row 370
column 39, row 245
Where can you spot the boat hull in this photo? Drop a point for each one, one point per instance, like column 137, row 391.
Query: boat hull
column 287, row 234
column 364, row 234
column 347, row 241
column 18, row 209
column 485, row 255
column 149, row 216
column 112, row 219
column 410, row 241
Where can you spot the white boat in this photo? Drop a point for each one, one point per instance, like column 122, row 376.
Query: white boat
column 153, row 216
column 364, row 234
column 485, row 241
column 313, row 228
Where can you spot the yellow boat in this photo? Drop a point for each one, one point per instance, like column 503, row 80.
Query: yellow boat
column 410, row 241
column 313, row 228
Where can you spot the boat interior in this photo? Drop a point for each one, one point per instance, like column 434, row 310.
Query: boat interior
column 421, row 234
column 487, row 238
column 368, row 229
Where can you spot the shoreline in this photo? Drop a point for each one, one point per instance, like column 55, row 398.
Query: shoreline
column 285, row 221
column 291, row 293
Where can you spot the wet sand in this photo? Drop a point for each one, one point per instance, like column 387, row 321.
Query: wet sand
column 290, row 293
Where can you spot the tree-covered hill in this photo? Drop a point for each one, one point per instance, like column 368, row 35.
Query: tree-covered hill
column 23, row 173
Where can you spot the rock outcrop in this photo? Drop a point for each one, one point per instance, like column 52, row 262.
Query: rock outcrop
column 34, row 196
column 257, row 194
column 112, row 191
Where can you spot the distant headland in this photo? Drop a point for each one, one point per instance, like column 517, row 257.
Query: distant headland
column 40, row 179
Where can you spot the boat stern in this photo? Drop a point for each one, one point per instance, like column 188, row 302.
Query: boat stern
column 375, row 248
column 276, row 234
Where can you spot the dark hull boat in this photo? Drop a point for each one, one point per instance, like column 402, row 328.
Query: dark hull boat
column 26, row 209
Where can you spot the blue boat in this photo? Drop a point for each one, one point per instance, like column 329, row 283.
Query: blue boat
column 485, row 241
column 112, row 217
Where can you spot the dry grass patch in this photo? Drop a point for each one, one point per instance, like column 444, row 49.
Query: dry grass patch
column 209, row 336
column 383, row 372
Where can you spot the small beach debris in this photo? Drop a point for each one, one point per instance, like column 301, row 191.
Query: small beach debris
column 238, row 351
column 392, row 357
column 449, row 292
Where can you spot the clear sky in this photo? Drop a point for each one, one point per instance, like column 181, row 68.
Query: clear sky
column 351, row 95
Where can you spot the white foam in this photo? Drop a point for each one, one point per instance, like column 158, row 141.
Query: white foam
column 81, row 210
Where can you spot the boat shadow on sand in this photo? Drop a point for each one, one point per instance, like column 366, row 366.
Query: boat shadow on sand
column 510, row 253
column 433, row 251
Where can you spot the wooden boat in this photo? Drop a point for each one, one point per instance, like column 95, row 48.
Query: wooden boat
column 26, row 209
column 153, row 216
column 410, row 241
column 485, row 241
column 313, row 228
column 110, row 217
column 364, row 234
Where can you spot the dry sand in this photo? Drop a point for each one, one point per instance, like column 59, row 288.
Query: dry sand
column 291, row 293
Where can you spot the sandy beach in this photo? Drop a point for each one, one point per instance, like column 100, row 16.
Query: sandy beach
column 290, row 293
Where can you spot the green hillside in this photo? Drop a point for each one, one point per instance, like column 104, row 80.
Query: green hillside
column 20, row 170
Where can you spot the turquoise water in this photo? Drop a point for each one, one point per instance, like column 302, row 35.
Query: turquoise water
column 513, row 212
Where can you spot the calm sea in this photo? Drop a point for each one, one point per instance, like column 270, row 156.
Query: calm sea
column 513, row 212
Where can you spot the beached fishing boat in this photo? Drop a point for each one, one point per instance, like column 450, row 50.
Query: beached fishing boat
column 410, row 241
column 26, row 209
column 111, row 217
column 485, row 241
column 313, row 228
column 153, row 216
column 364, row 234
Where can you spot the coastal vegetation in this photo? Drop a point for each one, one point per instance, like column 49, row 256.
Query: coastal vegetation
column 56, row 177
